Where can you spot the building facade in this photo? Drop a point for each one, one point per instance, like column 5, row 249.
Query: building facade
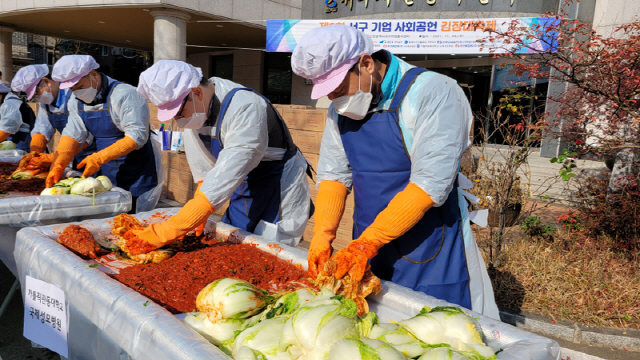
column 227, row 38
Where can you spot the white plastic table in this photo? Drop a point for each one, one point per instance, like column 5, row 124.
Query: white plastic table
column 108, row 320
column 17, row 212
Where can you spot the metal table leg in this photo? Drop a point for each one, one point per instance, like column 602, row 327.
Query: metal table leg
column 7, row 299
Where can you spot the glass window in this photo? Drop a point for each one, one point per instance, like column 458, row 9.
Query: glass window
column 530, row 95
column 277, row 77
column 221, row 66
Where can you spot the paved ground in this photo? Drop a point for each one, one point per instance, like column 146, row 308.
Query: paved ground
column 604, row 353
column 13, row 346
column 542, row 175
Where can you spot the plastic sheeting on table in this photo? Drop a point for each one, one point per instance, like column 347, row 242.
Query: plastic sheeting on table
column 18, row 211
column 108, row 320
column 13, row 156
column 23, row 211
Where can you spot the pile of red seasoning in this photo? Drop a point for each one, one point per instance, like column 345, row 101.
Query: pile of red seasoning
column 27, row 186
column 7, row 168
column 175, row 282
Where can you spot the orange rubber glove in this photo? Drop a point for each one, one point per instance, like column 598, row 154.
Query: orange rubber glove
column 329, row 209
column 4, row 135
column 154, row 236
column 67, row 149
column 38, row 143
column 402, row 213
column 200, row 228
column 82, row 148
column 43, row 161
column 119, row 148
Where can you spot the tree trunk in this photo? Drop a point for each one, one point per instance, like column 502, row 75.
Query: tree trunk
column 625, row 164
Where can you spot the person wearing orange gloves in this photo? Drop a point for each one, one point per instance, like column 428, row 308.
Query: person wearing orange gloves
column 394, row 136
column 16, row 119
column 238, row 146
column 35, row 82
column 118, row 119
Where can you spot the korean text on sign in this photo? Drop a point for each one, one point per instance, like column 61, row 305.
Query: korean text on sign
column 45, row 315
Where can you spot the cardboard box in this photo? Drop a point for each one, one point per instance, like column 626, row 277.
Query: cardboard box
column 308, row 141
column 346, row 224
column 350, row 203
column 182, row 161
column 179, row 187
column 34, row 106
column 181, row 195
column 308, row 231
column 313, row 191
column 289, row 106
column 174, row 160
column 173, row 183
column 222, row 209
column 153, row 116
column 294, row 136
column 165, row 159
column 155, row 124
column 174, row 179
column 347, row 218
column 186, row 180
column 53, row 144
column 345, row 232
column 312, row 159
column 293, row 117
column 314, row 120
column 165, row 165
column 341, row 241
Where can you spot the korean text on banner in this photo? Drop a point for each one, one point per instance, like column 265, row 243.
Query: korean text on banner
column 45, row 315
column 423, row 36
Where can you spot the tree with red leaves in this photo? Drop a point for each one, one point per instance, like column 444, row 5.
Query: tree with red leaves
column 599, row 111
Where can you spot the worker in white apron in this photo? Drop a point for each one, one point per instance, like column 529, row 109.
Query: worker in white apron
column 35, row 82
column 16, row 119
column 238, row 148
column 394, row 136
column 118, row 119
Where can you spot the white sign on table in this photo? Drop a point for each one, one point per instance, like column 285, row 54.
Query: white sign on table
column 45, row 315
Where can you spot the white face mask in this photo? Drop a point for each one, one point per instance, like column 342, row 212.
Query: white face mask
column 354, row 106
column 46, row 98
column 87, row 95
column 196, row 120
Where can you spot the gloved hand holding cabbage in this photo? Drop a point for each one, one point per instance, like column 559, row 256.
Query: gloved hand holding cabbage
column 32, row 165
column 193, row 214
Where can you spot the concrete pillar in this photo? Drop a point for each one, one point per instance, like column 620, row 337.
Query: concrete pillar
column 169, row 34
column 6, row 54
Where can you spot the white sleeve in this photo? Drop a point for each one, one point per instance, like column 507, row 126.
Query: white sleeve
column 10, row 116
column 440, row 134
column 333, row 163
column 43, row 125
column 200, row 159
column 75, row 128
column 132, row 111
column 245, row 137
